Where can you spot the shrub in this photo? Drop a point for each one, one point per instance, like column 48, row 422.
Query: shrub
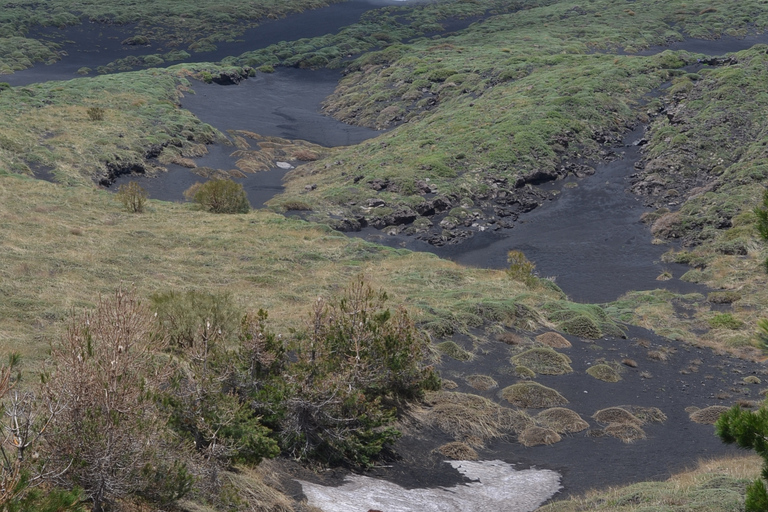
column 520, row 268
column 95, row 113
column 219, row 196
column 748, row 429
column 133, row 196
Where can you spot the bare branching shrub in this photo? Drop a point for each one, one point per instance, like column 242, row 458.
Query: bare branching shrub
column 105, row 371
column 133, row 196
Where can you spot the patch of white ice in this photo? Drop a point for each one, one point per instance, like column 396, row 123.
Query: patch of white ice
column 496, row 486
column 284, row 165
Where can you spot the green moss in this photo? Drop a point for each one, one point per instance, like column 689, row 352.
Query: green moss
column 451, row 349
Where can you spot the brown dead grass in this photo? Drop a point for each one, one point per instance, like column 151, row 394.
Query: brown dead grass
column 616, row 415
column 553, row 340
column 458, row 451
column 481, row 382
column 708, row 415
column 532, row 395
column 464, row 416
column 536, row 436
column 562, row 420
column 626, row 432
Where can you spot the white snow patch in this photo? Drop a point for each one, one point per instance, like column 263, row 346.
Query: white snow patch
column 496, row 486
column 284, row 165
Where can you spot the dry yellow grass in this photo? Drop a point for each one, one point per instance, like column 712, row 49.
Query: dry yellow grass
column 63, row 246
column 717, row 478
column 553, row 339
column 708, row 415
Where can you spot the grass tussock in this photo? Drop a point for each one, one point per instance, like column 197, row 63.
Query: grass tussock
column 626, row 432
column 481, row 382
column 553, row 340
column 458, row 451
column 536, row 436
column 616, row 415
column 708, row 415
column 604, row 372
column 469, row 417
column 562, row 420
column 714, row 486
column 453, row 350
column 544, row 361
column 532, row 395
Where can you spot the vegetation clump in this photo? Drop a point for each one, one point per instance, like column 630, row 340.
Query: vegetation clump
column 544, row 361
column 626, row 432
column 133, row 196
column 708, row 415
column 457, row 450
column 536, row 436
column 453, row 350
column 219, row 196
column 616, row 415
column 481, row 382
column 604, row 372
column 562, row 420
column 553, row 340
column 532, row 395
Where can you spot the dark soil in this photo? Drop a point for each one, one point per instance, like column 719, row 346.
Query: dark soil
column 691, row 377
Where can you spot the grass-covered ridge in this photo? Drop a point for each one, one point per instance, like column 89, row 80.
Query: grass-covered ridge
column 504, row 102
column 62, row 247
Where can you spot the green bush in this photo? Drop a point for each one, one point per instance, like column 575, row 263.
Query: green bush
column 725, row 321
column 520, row 268
column 219, row 196
column 133, row 196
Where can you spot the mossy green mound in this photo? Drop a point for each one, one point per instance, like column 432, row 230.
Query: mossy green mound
column 532, row 395
column 582, row 320
column 562, row 420
column 604, row 372
column 544, row 361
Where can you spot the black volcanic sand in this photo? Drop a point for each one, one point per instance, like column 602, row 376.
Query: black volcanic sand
column 595, row 462
column 284, row 104
column 93, row 44
column 589, row 238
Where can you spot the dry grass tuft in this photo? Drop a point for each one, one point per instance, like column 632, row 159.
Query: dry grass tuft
column 481, row 382
column 532, row 395
column 543, row 360
column 616, row 415
column 646, row 414
column 453, row 350
column 604, row 372
column 708, row 415
column 458, row 451
column 512, row 338
column 523, row 372
column 536, row 436
column 464, row 416
column 553, row 340
column 629, row 362
column 562, row 420
column 658, row 355
column 627, row 432
column 449, row 384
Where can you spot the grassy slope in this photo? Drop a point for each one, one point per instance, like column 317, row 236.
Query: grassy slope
column 715, row 486
column 62, row 247
column 708, row 163
column 513, row 95
column 193, row 24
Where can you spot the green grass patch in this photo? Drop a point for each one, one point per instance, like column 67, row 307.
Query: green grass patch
column 544, row 361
